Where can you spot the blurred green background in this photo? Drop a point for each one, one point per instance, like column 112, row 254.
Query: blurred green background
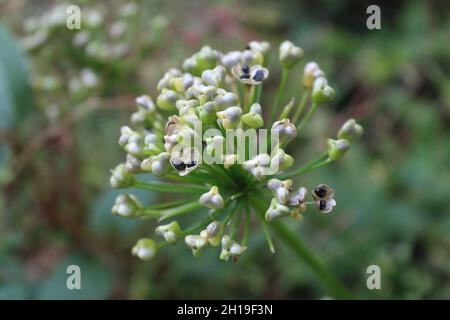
column 65, row 93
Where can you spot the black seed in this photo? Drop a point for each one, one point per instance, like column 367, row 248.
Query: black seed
column 322, row 204
column 247, row 47
column 245, row 69
column 178, row 164
column 320, row 192
column 259, row 75
column 245, row 76
column 191, row 164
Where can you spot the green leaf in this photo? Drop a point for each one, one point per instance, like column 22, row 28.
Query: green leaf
column 15, row 89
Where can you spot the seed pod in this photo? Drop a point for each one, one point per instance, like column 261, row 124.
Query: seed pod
column 145, row 249
column 290, row 54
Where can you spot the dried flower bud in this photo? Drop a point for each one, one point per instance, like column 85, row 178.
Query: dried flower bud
column 337, row 148
column 350, row 130
column 290, row 54
column 145, row 249
column 212, row 199
column 126, row 205
column 170, row 232
column 322, row 92
column 254, row 118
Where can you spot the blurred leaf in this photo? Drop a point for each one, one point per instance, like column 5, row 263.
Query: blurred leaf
column 15, row 90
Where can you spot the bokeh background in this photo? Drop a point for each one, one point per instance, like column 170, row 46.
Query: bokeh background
column 64, row 95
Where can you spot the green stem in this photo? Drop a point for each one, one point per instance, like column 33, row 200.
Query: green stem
column 169, row 187
column 260, row 214
column 173, row 212
column 301, row 107
column 247, row 224
column 294, row 243
column 307, row 168
column 284, row 77
column 308, row 115
column 256, row 97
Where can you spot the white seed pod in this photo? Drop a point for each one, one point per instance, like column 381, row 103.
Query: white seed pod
column 290, row 54
column 212, row 199
column 311, row 73
column 231, row 59
column 285, row 129
column 280, row 189
column 230, row 117
column 126, row 205
column 276, row 210
column 145, row 249
column 214, row 77
column 170, row 232
column 196, row 243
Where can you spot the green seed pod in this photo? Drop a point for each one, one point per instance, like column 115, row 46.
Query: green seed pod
column 276, row 210
column 145, row 249
column 126, row 205
column 167, row 100
column 350, row 130
column 121, row 178
column 290, row 54
column 170, row 232
column 254, row 118
column 337, row 148
column 322, row 93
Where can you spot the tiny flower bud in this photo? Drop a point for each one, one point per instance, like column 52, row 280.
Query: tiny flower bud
column 145, row 102
column 276, row 210
column 350, row 130
column 337, row 148
column 236, row 250
column 214, row 77
column 212, row 199
column 225, row 99
column 152, row 144
column 280, row 189
column 230, row 117
column 261, row 46
column 290, row 54
column 231, row 59
column 170, row 232
column 159, row 165
column 254, row 119
column 145, row 249
column 207, row 112
column 322, row 92
column 311, row 73
column 125, row 133
column 251, row 57
column 167, row 99
column 281, row 160
column 127, row 205
column 285, row 129
column 226, row 243
column 206, row 58
column 168, row 76
column 196, row 243
column 229, row 160
column 213, row 233
column 132, row 164
column 297, row 198
column 120, row 177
